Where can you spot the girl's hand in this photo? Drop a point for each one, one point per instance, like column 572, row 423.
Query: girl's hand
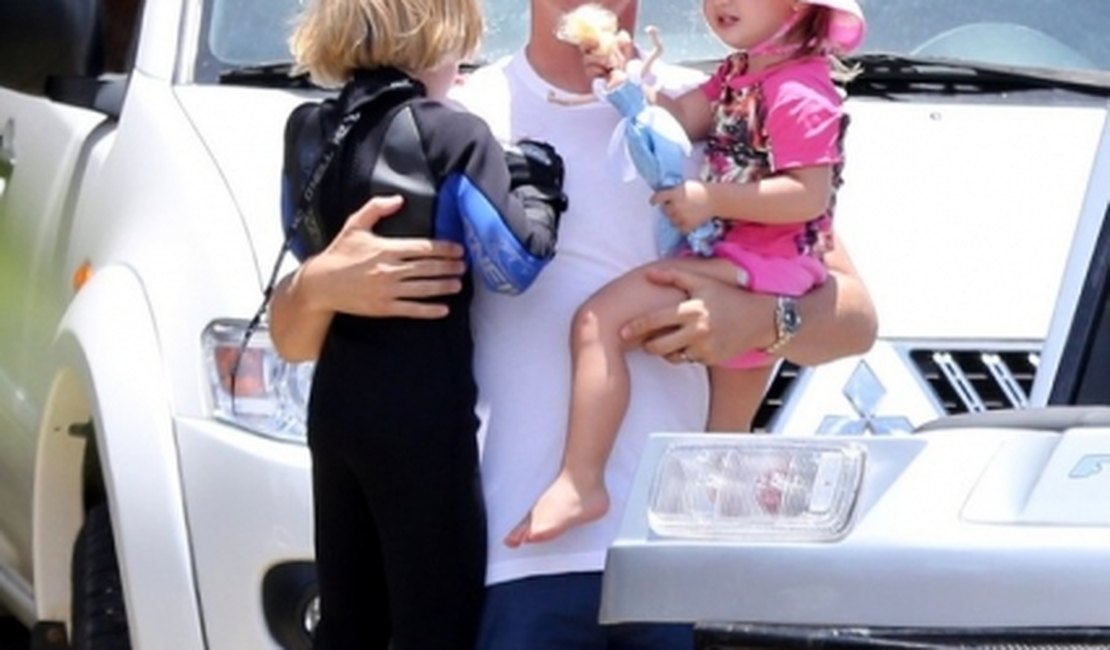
column 603, row 65
column 603, row 62
column 687, row 205
column 364, row 274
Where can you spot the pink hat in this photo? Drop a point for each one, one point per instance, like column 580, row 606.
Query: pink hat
column 848, row 25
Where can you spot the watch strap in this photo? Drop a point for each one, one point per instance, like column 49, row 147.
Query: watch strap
column 787, row 322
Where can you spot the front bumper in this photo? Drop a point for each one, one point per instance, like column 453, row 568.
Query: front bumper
column 785, row 637
column 972, row 528
column 249, row 508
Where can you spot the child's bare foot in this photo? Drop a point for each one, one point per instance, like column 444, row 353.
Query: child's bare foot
column 562, row 506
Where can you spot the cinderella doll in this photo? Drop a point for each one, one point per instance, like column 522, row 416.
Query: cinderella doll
column 652, row 139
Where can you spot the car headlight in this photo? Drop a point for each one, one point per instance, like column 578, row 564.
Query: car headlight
column 262, row 393
column 756, row 488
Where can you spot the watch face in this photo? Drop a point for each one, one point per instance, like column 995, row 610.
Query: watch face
column 791, row 321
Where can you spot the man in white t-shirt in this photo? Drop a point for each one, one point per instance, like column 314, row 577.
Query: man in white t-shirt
column 522, row 359
column 545, row 596
column 523, row 362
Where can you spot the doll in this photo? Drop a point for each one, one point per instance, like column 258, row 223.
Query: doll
column 652, row 139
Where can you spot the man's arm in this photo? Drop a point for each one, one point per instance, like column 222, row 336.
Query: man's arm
column 719, row 321
column 838, row 318
column 364, row 274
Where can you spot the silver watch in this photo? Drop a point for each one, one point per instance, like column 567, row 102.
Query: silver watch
column 787, row 323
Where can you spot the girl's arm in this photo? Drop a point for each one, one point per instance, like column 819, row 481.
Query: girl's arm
column 364, row 274
column 804, row 124
column 838, row 317
column 691, row 109
column 792, row 196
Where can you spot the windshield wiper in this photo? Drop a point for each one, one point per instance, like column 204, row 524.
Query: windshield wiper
column 266, row 74
column 883, row 73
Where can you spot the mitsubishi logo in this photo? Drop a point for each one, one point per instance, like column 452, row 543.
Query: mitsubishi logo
column 1089, row 465
column 864, row 392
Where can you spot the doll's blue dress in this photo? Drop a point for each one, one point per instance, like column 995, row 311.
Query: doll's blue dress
column 657, row 147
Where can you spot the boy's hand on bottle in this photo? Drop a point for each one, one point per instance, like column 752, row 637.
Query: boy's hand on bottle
column 687, row 205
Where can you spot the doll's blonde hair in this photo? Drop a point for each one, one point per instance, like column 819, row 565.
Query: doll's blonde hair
column 589, row 23
column 333, row 38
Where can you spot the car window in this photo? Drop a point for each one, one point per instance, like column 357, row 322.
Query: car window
column 1038, row 33
column 1063, row 34
column 684, row 33
column 1066, row 34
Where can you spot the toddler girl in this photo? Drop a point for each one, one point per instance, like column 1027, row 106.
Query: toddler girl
column 773, row 122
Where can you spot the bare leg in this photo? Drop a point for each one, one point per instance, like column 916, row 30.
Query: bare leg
column 735, row 395
column 599, row 399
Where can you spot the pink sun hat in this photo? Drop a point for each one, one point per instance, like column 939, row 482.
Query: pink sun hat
column 848, row 25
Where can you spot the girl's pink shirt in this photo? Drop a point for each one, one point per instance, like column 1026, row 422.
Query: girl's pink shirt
column 783, row 117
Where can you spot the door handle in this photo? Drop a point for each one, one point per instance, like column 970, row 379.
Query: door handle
column 7, row 150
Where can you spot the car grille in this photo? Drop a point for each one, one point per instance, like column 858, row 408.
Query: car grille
column 970, row 380
column 786, row 375
column 961, row 379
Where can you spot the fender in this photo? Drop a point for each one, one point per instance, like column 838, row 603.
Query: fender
column 108, row 342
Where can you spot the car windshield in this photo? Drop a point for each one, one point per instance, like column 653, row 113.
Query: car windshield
column 1047, row 34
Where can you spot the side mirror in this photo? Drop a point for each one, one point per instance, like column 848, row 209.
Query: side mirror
column 44, row 38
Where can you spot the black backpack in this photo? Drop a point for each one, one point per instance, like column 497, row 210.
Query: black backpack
column 314, row 133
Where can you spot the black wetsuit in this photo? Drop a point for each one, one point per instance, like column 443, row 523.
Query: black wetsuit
column 400, row 525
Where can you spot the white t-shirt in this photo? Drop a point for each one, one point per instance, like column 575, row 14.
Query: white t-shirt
column 522, row 355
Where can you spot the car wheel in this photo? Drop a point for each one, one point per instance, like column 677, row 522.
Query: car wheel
column 99, row 615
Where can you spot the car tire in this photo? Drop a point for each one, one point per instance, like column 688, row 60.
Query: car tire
column 99, row 614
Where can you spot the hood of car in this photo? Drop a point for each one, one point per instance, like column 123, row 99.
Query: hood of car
column 243, row 130
column 959, row 214
column 949, row 209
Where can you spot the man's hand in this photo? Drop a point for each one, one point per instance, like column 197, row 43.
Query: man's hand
column 365, row 274
column 716, row 323
column 368, row 275
column 721, row 320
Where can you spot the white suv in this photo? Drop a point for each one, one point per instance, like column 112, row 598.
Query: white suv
column 139, row 210
column 139, row 214
column 980, row 530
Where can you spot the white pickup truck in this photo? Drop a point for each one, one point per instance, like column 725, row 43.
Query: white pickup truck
column 138, row 209
column 139, row 198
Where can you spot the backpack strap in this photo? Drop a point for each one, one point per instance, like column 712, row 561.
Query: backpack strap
column 306, row 221
column 305, row 234
column 305, row 227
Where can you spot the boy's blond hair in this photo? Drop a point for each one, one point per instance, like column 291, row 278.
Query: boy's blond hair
column 333, row 38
